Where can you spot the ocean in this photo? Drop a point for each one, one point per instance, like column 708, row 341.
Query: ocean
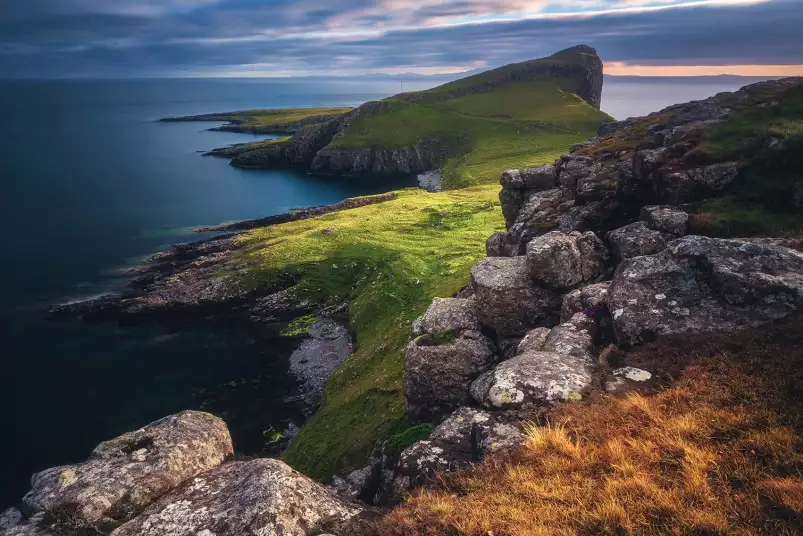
column 92, row 184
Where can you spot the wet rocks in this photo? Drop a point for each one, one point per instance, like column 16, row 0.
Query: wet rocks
column 126, row 474
column 701, row 284
column 562, row 261
column 635, row 240
column 241, row 498
column 507, row 300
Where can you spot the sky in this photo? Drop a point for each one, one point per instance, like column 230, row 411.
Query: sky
column 238, row 38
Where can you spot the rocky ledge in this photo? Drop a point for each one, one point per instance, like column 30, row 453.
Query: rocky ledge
column 175, row 476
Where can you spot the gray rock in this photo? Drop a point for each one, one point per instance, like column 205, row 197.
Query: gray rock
column 462, row 439
column 354, row 484
column 575, row 338
column 534, row 341
column 501, row 245
column 10, row 517
column 717, row 177
column 536, row 178
column 251, row 498
column 449, row 314
column 35, row 526
column 533, row 378
column 506, row 298
column 561, row 261
column 701, row 284
column 128, row 473
column 635, row 240
column 626, row 378
column 437, row 376
column 573, row 169
column 591, row 299
column 666, row 219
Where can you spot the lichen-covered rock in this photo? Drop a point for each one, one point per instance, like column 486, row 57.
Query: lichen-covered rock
column 635, row 240
column 10, row 517
column 251, row 498
column 575, row 337
column 128, row 473
column 533, row 378
column 666, row 219
column 626, row 378
column 448, row 314
column 507, row 300
column 561, row 261
column 355, row 484
column 535, row 178
column 463, row 438
column 701, row 284
column 501, row 245
column 36, row 526
column 438, row 373
column 591, row 300
column 534, row 340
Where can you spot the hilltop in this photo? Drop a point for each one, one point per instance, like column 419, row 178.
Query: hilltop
column 468, row 130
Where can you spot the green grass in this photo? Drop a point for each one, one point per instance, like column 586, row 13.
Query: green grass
column 516, row 125
column 285, row 115
column 387, row 261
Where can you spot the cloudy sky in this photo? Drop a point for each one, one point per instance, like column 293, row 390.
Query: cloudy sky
column 119, row 38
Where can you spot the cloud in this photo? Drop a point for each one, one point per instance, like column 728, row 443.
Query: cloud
column 221, row 37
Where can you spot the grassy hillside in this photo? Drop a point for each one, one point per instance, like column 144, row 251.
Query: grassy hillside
column 514, row 125
column 258, row 118
column 387, row 261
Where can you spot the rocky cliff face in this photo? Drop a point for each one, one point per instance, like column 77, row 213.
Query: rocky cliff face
column 314, row 145
column 590, row 259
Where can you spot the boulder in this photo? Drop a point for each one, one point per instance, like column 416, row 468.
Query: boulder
column 448, row 314
column 36, row 526
column 128, row 473
column 507, row 300
column 252, row 498
column 10, row 517
column 575, row 338
column 534, row 178
column 438, row 373
column 626, row 378
column 533, row 341
column 635, row 240
column 501, row 245
column 591, row 300
column 463, row 438
column 700, row 284
column 666, row 219
column 561, row 261
column 354, row 485
column 533, row 379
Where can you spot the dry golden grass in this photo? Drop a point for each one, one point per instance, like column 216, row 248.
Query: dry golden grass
column 718, row 451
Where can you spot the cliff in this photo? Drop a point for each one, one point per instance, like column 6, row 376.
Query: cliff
column 450, row 128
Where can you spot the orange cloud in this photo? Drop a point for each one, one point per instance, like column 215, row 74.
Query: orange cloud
column 626, row 69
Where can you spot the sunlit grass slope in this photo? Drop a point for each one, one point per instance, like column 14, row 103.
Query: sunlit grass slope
column 387, row 261
column 514, row 125
column 279, row 116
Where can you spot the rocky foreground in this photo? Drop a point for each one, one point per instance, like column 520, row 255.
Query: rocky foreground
column 598, row 255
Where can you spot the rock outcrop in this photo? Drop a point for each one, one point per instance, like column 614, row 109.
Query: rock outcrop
column 126, row 474
column 172, row 477
column 251, row 498
column 701, row 284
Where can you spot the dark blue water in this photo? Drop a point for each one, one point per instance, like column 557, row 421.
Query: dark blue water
column 91, row 184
